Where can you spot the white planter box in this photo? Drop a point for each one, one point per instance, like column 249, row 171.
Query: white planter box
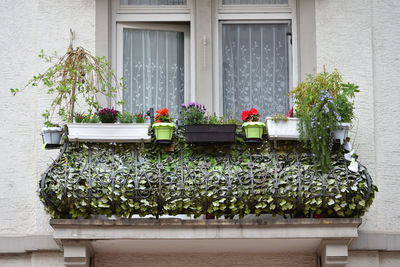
column 109, row 132
column 283, row 130
column 287, row 130
column 342, row 132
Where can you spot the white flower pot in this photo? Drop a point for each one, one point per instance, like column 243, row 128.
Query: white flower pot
column 109, row 132
column 52, row 135
column 342, row 132
column 283, row 130
column 287, row 130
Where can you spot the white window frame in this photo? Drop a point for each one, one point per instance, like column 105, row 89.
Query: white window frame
column 252, row 14
column 160, row 9
column 145, row 17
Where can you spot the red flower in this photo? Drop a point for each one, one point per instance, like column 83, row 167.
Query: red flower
column 245, row 115
column 158, row 121
column 289, row 114
column 253, row 111
column 250, row 115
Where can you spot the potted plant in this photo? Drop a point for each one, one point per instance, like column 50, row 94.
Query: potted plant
column 323, row 103
column 88, row 129
column 282, row 127
column 75, row 77
column 52, row 134
column 252, row 126
column 108, row 115
column 163, row 127
column 200, row 128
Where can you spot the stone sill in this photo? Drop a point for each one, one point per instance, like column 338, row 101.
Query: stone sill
column 82, row 229
column 176, row 222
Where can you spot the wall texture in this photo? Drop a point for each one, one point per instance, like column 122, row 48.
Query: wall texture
column 26, row 27
column 360, row 39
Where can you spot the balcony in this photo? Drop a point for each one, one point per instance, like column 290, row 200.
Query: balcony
column 230, row 181
column 241, row 185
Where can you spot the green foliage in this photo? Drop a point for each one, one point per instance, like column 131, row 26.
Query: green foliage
column 322, row 102
column 75, row 76
column 279, row 117
column 205, row 190
column 125, row 117
column 86, row 118
column 194, row 113
column 141, row 117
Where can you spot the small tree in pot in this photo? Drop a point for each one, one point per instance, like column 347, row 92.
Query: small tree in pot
column 75, row 76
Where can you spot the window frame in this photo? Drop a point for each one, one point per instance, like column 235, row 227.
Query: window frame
column 150, row 16
column 254, row 14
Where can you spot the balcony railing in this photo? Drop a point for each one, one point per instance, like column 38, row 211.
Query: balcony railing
column 89, row 179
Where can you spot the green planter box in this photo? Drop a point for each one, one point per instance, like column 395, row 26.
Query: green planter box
column 164, row 130
column 253, row 130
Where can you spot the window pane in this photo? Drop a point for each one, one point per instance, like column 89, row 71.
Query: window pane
column 254, row 2
column 153, row 2
column 153, row 69
column 255, row 68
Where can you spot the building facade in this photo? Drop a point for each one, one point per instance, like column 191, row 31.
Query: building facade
column 196, row 39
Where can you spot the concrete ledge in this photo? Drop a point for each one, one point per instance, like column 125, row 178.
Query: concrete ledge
column 206, row 229
column 376, row 241
column 25, row 244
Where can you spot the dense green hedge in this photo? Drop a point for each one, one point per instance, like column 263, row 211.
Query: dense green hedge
column 127, row 179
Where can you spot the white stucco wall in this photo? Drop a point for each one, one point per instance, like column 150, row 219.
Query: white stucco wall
column 361, row 38
column 36, row 259
column 26, row 27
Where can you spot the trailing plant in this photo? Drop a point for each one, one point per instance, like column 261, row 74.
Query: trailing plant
column 77, row 76
column 173, row 183
column 250, row 115
column 108, row 115
column 322, row 102
column 162, row 115
column 193, row 113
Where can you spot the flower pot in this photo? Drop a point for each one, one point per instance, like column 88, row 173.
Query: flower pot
column 105, row 132
column 342, row 131
column 283, row 130
column 210, row 133
column 288, row 130
column 164, row 130
column 253, row 130
column 52, row 135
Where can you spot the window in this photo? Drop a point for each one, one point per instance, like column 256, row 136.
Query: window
column 255, row 48
column 254, row 2
column 231, row 56
column 153, row 2
column 153, row 58
column 255, row 67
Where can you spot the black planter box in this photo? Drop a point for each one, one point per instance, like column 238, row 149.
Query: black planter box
column 210, row 133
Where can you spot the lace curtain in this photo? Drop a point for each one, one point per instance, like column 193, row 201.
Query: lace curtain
column 254, row 2
column 153, row 69
column 153, row 2
column 255, row 68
